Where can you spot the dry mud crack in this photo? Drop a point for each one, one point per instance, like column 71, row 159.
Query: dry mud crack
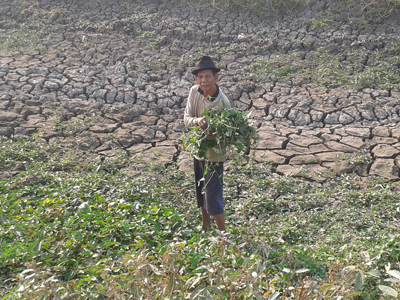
column 113, row 76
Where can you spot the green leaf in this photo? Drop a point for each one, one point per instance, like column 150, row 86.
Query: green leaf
column 216, row 291
column 259, row 297
column 388, row 291
column 239, row 145
column 327, row 287
column 196, row 293
column 273, row 296
column 394, row 273
column 354, row 294
column 3, row 219
column 374, row 273
column 35, row 246
column 359, row 281
column 301, row 271
column 184, row 143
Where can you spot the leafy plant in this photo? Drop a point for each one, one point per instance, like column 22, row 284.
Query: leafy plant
column 229, row 134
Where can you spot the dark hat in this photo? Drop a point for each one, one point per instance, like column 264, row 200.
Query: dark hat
column 205, row 63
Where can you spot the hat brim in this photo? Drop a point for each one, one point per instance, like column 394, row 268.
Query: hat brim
column 194, row 72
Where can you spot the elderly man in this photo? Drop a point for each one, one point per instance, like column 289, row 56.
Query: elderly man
column 205, row 94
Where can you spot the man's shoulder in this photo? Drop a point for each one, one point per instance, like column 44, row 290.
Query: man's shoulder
column 194, row 91
column 227, row 102
column 194, row 88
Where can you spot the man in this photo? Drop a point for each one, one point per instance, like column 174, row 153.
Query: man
column 205, row 94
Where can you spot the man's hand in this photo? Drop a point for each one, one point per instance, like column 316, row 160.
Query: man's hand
column 203, row 123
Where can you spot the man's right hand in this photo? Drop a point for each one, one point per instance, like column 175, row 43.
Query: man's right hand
column 202, row 123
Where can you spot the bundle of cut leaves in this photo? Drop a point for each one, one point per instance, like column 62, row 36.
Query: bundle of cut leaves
column 229, row 133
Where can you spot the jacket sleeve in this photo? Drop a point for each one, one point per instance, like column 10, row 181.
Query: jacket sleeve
column 190, row 117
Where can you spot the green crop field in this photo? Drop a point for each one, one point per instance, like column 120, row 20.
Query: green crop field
column 79, row 228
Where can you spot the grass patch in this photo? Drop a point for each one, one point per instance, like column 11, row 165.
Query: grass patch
column 349, row 9
column 91, row 231
column 18, row 39
column 327, row 69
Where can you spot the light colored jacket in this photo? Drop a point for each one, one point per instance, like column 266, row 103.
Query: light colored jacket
column 195, row 106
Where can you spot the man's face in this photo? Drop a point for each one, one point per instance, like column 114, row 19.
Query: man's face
column 206, row 80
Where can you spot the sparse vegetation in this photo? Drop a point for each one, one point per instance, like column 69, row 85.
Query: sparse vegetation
column 349, row 8
column 328, row 69
column 74, row 226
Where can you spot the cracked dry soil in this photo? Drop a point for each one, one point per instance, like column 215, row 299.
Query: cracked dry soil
column 115, row 75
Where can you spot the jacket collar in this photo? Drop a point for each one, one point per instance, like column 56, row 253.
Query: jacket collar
column 213, row 98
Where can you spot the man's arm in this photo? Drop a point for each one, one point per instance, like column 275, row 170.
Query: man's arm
column 190, row 119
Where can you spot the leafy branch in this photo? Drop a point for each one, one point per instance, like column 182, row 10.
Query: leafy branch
column 229, row 133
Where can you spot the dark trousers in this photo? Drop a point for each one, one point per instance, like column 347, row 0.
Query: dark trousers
column 209, row 186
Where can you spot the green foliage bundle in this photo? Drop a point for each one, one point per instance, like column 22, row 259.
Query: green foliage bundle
column 229, row 134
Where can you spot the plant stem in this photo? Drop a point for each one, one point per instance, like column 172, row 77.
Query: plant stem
column 290, row 276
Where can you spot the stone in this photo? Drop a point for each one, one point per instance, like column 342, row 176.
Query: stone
column 316, row 173
column 136, row 150
column 397, row 162
column 259, row 103
column 384, row 140
column 299, row 118
column 316, row 116
column 262, row 156
column 355, row 142
column 8, row 116
column 381, row 131
column 51, row 85
column 276, row 142
column 313, row 149
column 147, row 134
column 104, row 128
column 330, row 137
column 332, row 118
column 380, row 113
column 165, row 103
column 329, row 156
column 368, row 115
column 360, row 132
column 99, row 94
column 336, row 146
column 145, row 120
column 6, row 131
column 30, row 110
column 299, row 149
column 25, row 130
column 88, row 142
column 303, row 160
column 79, row 107
column 385, row 151
column 159, row 136
column 287, row 170
column 339, row 167
column 345, row 119
column 385, row 168
column 287, row 153
column 160, row 155
column 305, row 141
column 279, row 110
column 396, row 132
column 185, row 165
